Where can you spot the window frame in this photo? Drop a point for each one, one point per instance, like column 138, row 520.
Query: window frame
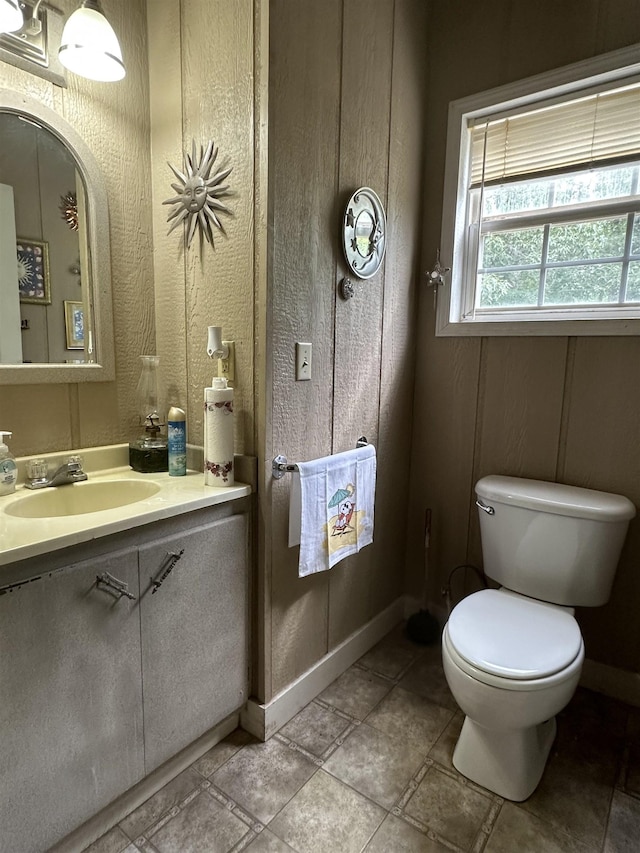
column 456, row 296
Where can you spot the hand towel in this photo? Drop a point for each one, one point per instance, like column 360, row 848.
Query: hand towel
column 331, row 508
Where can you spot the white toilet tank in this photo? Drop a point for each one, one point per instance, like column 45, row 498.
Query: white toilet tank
column 549, row 541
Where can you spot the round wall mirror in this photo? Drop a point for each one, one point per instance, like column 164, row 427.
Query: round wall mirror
column 55, row 287
column 363, row 233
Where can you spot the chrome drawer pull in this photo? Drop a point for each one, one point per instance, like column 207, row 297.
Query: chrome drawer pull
column 113, row 586
column 165, row 569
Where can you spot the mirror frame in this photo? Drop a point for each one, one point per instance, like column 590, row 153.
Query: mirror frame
column 99, row 253
column 364, row 201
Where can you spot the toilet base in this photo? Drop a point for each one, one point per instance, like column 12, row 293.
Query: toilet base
column 508, row 762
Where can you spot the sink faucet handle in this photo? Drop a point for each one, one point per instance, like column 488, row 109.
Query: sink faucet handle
column 37, row 469
column 75, row 462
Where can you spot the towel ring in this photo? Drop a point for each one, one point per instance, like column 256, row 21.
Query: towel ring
column 280, row 466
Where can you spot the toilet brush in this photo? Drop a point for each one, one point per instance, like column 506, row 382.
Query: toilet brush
column 422, row 627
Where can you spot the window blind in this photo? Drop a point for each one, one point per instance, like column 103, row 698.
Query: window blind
column 599, row 128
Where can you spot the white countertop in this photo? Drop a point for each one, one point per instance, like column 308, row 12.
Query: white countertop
column 21, row 538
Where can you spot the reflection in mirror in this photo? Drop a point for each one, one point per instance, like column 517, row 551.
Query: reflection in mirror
column 42, row 174
column 365, row 227
column 55, row 289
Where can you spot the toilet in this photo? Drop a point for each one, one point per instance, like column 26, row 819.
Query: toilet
column 513, row 656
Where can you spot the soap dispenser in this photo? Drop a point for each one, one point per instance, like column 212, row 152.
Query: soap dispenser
column 148, row 453
column 8, row 467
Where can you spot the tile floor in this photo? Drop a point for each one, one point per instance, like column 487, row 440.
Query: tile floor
column 367, row 767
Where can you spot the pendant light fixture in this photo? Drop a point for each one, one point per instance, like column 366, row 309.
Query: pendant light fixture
column 11, row 19
column 89, row 46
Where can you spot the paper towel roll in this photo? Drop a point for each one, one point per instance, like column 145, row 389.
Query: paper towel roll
column 218, row 434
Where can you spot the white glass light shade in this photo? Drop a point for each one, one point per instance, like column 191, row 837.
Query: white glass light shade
column 11, row 19
column 89, row 46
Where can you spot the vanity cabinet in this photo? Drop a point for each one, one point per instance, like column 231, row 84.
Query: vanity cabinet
column 70, row 700
column 98, row 689
column 194, row 634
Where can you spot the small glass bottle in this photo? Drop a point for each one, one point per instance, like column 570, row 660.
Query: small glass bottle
column 8, row 467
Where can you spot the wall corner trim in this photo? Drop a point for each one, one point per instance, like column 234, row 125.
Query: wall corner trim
column 263, row 721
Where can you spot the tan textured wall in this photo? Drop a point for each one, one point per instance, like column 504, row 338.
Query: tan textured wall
column 345, row 110
column 113, row 119
column 563, row 409
column 202, row 88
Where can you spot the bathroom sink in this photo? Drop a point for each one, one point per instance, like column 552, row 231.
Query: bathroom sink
column 82, row 498
column 113, row 500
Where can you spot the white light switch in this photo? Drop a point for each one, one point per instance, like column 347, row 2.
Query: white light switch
column 303, row 361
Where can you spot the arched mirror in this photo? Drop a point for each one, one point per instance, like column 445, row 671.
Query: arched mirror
column 55, row 271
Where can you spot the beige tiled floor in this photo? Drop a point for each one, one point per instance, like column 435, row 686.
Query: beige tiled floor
column 367, row 767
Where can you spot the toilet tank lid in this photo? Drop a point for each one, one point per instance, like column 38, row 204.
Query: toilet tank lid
column 555, row 498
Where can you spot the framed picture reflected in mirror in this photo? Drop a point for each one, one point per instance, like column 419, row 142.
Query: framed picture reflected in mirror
column 74, row 324
column 33, row 271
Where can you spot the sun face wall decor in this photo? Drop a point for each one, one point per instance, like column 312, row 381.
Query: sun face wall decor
column 68, row 208
column 197, row 203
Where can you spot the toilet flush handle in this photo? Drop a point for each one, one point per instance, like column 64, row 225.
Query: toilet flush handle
column 483, row 506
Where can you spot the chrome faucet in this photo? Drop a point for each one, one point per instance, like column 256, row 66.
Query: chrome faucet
column 69, row 472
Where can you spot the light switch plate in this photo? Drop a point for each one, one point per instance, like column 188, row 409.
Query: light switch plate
column 303, row 361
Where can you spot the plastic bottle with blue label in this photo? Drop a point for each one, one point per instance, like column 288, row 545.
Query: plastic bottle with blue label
column 8, row 467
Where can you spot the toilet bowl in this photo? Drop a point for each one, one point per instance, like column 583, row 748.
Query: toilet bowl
column 513, row 656
column 512, row 664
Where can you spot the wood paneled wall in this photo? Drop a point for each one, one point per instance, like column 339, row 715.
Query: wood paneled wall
column 345, row 110
column 564, row 409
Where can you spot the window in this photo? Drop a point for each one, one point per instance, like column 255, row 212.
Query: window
column 542, row 205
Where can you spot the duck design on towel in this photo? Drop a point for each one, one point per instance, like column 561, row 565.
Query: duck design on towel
column 345, row 501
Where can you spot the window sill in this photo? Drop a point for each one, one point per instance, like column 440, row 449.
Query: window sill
column 538, row 328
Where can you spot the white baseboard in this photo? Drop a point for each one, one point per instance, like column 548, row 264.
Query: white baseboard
column 262, row 721
column 617, row 683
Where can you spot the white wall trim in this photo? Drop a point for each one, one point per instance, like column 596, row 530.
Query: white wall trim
column 262, row 721
column 616, row 683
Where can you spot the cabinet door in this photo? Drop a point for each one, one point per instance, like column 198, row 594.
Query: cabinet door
column 194, row 634
column 70, row 701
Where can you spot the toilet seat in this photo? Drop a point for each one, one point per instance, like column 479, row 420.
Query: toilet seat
column 512, row 641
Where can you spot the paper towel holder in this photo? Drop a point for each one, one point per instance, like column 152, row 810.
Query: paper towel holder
column 280, row 466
